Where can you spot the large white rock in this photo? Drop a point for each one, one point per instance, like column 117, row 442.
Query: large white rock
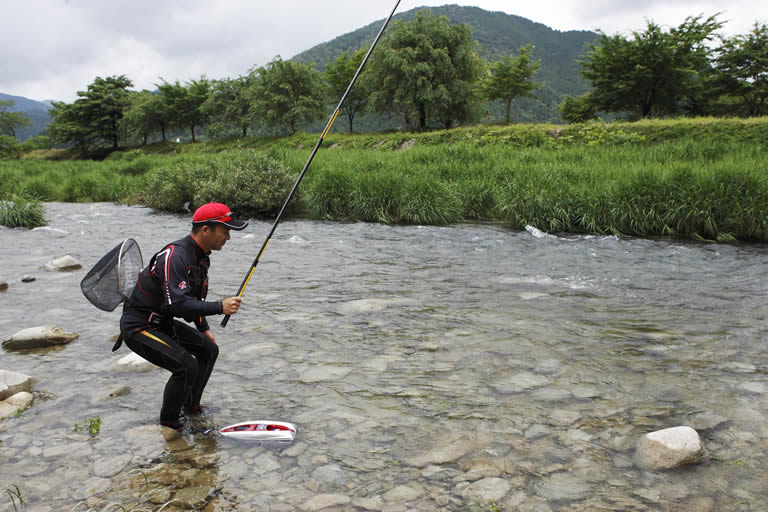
column 17, row 402
column 13, row 382
column 64, row 264
column 669, row 448
column 36, row 337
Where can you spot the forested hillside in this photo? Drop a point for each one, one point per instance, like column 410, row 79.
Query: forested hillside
column 36, row 111
column 497, row 35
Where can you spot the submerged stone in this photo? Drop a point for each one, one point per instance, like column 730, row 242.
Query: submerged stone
column 193, row 497
column 562, row 486
column 487, row 489
column 322, row 501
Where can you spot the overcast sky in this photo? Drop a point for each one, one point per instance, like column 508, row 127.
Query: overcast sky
column 53, row 48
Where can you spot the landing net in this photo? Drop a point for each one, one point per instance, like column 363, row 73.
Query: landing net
column 112, row 279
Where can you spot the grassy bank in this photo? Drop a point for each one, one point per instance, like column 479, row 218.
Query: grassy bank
column 701, row 178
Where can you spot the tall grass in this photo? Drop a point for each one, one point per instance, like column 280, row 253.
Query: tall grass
column 19, row 212
column 703, row 178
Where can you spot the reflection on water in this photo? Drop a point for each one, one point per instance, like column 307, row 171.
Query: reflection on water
column 427, row 368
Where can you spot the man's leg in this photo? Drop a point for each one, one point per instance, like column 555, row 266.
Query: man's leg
column 162, row 349
column 205, row 352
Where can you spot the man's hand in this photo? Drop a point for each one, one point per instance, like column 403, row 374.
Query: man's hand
column 210, row 335
column 230, row 305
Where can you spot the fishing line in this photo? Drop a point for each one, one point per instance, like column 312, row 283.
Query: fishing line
column 309, row 161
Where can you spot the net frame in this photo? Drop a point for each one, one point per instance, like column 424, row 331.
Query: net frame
column 111, row 280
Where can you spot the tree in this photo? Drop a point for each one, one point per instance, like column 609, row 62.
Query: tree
column 511, row 78
column 743, row 67
column 653, row 74
column 183, row 104
column 141, row 116
column 229, row 104
column 339, row 74
column 93, row 118
column 579, row 109
column 427, row 69
column 11, row 121
column 288, row 93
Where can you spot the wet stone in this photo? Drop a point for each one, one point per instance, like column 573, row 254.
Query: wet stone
column 519, row 382
column 110, row 466
column 64, row 264
column 193, row 497
column 36, row 337
column 375, row 503
column 92, row 486
column 15, row 403
column 159, row 495
column 562, row 486
column 486, row 490
column 13, row 382
column 447, row 448
column 404, row 493
column 322, row 501
column 329, row 474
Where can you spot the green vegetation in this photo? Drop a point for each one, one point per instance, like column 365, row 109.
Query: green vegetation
column 92, row 425
column 701, row 178
column 288, row 94
column 427, row 72
column 510, row 78
column 19, row 212
column 93, row 118
column 14, row 494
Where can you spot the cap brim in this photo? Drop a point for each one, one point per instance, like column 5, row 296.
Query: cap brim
column 235, row 224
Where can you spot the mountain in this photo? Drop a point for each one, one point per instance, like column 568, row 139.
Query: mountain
column 37, row 112
column 497, row 35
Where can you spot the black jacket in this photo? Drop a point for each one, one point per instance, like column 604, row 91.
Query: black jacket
column 175, row 284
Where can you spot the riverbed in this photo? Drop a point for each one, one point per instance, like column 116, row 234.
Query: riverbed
column 468, row 367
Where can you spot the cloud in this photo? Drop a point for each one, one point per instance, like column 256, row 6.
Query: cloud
column 60, row 48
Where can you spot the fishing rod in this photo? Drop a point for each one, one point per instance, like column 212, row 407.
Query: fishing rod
column 309, row 161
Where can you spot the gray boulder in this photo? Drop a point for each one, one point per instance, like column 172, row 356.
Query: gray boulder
column 64, row 264
column 669, row 448
column 12, row 383
column 36, row 337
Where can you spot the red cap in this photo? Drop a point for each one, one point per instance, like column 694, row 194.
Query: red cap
column 217, row 212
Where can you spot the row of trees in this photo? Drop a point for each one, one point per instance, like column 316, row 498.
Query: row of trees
column 427, row 73
column 687, row 70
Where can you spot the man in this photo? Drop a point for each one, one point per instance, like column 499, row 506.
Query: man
column 175, row 285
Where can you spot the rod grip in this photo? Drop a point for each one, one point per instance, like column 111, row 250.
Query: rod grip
column 224, row 322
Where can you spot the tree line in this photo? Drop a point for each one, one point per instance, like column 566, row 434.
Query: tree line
column 427, row 73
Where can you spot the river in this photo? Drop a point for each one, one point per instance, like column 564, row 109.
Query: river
column 468, row 367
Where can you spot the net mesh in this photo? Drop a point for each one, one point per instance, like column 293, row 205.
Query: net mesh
column 113, row 278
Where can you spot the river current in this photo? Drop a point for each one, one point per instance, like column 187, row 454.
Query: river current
column 468, row 367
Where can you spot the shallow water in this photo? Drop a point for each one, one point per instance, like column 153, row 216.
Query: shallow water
column 428, row 368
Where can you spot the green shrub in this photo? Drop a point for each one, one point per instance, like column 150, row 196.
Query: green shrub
column 19, row 212
column 249, row 182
